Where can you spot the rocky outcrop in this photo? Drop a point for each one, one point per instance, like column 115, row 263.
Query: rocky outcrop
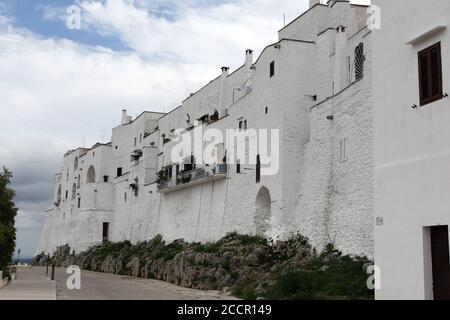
column 250, row 267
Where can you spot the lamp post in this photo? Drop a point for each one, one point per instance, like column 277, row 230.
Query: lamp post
column 18, row 257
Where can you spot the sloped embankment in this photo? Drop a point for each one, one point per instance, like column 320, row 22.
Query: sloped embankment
column 250, row 267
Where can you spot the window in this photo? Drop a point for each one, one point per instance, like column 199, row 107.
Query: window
column 343, row 150
column 241, row 125
column 135, row 142
column 238, row 166
column 119, row 172
column 91, row 175
column 67, row 194
column 258, row 168
column 245, row 125
column 430, row 74
column 272, row 69
column 105, row 178
column 78, row 182
column 74, row 191
column 75, row 164
column 79, row 203
column 125, row 197
column 140, row 138
column 359, row 61
column 267, row 110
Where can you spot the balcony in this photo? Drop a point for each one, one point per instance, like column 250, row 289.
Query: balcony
column 193, row 178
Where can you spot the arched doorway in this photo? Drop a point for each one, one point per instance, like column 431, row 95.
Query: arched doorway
column 91, row 175
column 263, row 211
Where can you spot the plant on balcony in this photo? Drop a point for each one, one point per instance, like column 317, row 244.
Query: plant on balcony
column 162, row 177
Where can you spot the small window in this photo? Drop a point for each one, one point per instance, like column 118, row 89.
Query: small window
column 245, row 125
column 272, row 69
column 430, row 74
column 117, row 147
column 140, row 138
column 125, row 197
column 267, row 110
column 135, row 142
column 79, row 203
column 258, row 168
column 105, row 178
column 67, row 194
column 93, row 154
column 238, row 167
column 343, row 150
column 241, row 123
column 119, row 172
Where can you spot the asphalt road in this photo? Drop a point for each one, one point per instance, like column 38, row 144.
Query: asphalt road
column 100, row 286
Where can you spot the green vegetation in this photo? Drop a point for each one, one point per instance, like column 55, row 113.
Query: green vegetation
column 251, row 267
column 8, row 212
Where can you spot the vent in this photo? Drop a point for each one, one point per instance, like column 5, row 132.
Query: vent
column 359, row 61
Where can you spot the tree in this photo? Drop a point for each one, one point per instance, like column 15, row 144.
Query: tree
column 8, row 212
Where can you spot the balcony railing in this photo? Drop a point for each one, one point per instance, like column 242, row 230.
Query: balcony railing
column 193, row 177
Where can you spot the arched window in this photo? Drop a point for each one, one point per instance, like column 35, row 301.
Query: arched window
column 75, row 164
column 91, row 175
column 74, row 191
column 263, row 211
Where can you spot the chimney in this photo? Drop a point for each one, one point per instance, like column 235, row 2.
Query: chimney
column 125, row 118
column 223, row 82
column 248, row 68
column 225, row 72
column 248, row 58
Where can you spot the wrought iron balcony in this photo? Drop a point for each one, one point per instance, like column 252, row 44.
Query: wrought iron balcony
column 194, row 177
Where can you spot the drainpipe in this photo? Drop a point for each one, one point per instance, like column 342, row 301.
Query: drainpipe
column 339, row 59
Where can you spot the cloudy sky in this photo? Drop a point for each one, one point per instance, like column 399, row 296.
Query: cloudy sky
column 61, row 88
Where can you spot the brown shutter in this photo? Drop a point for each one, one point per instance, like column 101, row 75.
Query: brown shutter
column 430, row 74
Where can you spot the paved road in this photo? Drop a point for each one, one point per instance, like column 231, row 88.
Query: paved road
column 29, row 285
column 32, row 284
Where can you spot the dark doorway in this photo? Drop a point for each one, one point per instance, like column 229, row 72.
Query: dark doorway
column 105, row 231
column 440, row 262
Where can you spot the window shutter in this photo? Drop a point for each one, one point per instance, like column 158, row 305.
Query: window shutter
column 436, row 70
column 430, row 74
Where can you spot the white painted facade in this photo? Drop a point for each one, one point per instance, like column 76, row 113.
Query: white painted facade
column 412, row 146
column 324, row 184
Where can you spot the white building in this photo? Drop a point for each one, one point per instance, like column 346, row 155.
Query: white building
column 412, row 148
column 314, row 85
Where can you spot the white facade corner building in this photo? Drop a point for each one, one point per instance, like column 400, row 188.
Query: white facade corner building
column 412, row 149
